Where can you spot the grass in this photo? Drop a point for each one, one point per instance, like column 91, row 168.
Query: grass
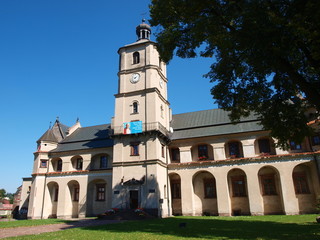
column 26, row 223
column 301, row 227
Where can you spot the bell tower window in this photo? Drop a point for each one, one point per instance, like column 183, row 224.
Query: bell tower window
column 136, row 57
column 135, row 107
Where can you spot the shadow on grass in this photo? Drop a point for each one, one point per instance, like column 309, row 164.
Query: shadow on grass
column 217, row 228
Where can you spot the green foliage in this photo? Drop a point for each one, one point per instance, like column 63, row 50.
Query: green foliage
column 264, row 53
column 3, row 193
column 302, row 227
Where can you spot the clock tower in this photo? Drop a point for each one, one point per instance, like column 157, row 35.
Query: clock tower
column 141, row 128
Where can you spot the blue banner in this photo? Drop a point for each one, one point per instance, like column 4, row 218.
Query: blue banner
column 132, row 127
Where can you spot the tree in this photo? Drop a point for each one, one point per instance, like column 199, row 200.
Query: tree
column 266, row 56
column 3, row 193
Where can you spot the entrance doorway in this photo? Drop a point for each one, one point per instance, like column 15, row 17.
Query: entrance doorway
column 134, row 199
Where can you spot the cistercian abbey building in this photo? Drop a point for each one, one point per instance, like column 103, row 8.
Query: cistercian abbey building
column 196, row 163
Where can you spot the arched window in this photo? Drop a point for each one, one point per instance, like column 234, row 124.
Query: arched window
column 135, row 107
column 136, row 57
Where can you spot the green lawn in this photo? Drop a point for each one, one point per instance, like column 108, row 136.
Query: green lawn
column 245, row 228
column 24, row 223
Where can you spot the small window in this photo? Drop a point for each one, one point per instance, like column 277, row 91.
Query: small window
column 136, row 58
column 316, row 140
column 295, row 146
column 101, row 190
column 300, row 183
column 268, row 184
column 264, row 145
column 103, row 162
column 43, row 163
column 134, row 149
column 59, row 165
column 162, row 111
column 209, row 188
column 238, row 186
column 203, row 152
column 162, row 151
column 175, row 189
column 76, row 191
column 135, row 107
column 79, row 164
column 234, row 149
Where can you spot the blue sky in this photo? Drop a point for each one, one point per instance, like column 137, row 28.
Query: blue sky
column 59, row 58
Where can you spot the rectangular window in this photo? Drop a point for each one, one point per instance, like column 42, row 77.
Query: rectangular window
column 175, row 189
column 300, row 182
column 43, row 163
column 162, row 151
column 268, row 184
column 79, row 164
column 238, row 186
column 103, row 162
column 134, row 149
column 295, row 146
column 203, row 152
column 76, row 191
column 209, row 188
column 101, row 189
column 234, row 150
column 175, row 154
column 59, row 165
column 264, row 145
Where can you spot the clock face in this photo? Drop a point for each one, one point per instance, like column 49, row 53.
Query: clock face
column 135, row 78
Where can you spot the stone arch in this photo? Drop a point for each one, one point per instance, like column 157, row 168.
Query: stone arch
column 233, row 149
column 204, row 188
column 77, row 162
column 271, row 191
column 72, row 202
column 264, row 146
column 175, row 189
column 304, row 189
column 100, row 161
column 97, row 197
column 52, row 206
column 202, row 152
column 238, row 190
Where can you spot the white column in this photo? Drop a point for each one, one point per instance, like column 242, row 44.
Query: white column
column 254, row 195
column 248, row 148
column 223, row 196
column 219, row 152
column 290, row 202
column 185, row 154
column 187, row 196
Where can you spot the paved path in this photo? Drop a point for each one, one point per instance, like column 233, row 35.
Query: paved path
column 31, row 230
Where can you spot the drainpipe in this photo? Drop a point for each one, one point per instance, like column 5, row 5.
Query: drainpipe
column 44, row 189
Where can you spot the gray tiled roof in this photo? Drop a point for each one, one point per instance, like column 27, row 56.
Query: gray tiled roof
column 210, row 123
column 55, row 134
column 86, row 138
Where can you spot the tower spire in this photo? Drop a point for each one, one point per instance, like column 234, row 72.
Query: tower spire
column 143, row 30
